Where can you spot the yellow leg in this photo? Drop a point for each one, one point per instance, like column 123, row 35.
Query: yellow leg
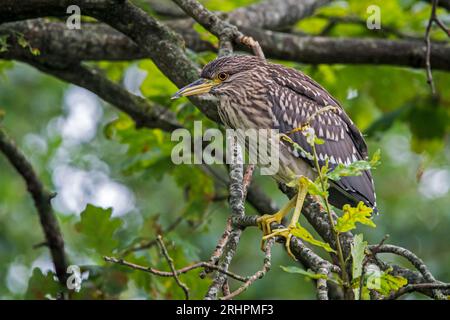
column 286, row 233
column 302, row 192
column 266, row 220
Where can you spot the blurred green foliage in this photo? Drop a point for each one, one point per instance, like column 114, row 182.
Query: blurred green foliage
column 392, row 105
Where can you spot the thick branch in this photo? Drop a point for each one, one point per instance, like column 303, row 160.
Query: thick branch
column 95, row 41
column 101, row 42
column 415, row 260
column 42, row 199
column 418, row 287
column 349, row 50
column 145, row 113
column 156, row 40
column 14, row 10
column 274, row 14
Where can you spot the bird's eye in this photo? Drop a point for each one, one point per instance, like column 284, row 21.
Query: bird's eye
column 222, row 76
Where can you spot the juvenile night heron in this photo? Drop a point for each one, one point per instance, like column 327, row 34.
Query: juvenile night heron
column 256, row 94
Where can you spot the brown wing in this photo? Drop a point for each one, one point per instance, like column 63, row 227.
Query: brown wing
column 295, row 97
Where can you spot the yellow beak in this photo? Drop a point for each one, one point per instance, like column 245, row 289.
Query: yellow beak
column 197, row 87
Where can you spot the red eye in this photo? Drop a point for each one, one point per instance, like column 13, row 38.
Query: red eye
column 222, row 76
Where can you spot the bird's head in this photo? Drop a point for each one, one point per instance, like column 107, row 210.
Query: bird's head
column 221, row 74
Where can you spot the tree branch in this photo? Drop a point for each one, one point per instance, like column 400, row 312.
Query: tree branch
column 417, row 287
column 224, row 31
column 258, row 275
column 428, row 49
column 411, row 257
column 160, row 273
column 274, row 14
column 144, row 113
column 94, row 42
column 101, row 42
column 315, row 50
column 237, row 211
column 169, row 259
column 42, row 199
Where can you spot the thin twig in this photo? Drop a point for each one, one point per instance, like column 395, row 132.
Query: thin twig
column 247, row 180
column 226, row 288
column 160, row 273
column 428, row 48
column 345, row 277
column 218, row 251
column 252, row 44
column 221, row 243
column 433, row 19
column 169, row 259
column 258, row 275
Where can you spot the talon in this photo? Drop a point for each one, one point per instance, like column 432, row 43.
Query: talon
column 286, row 234
column 264, row 223
column 266, row 220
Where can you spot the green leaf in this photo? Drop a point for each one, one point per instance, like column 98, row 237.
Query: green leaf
column 4, row 43
column 24, row 43
column 358, row 248
column 98, row 229
column 308, row 274
column 355, row 168
column 376, row 157
column 385, row 283
column 35, row 51
column 315, row 189
column 286, row 138
column 42, row 286
column 391, row 283
column 304, row 234
column 351, row 215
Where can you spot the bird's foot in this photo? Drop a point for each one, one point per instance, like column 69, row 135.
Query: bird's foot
column 264, row 223
column 284, row 233
column 266, row 220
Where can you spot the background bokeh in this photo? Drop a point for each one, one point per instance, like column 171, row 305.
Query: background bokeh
column 90, row 154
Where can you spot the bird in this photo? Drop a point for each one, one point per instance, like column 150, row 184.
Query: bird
column 254, row 93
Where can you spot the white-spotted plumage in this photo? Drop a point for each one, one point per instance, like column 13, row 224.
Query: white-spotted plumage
column 263, row 95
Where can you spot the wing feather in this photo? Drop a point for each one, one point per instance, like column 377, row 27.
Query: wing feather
column 344, row 143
